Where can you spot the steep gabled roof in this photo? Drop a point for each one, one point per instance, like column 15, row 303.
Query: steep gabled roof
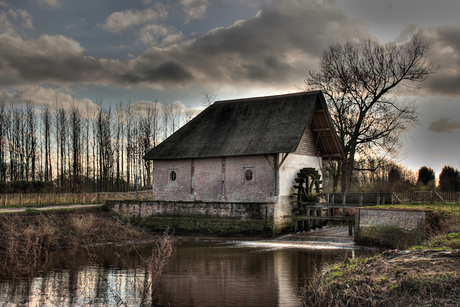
column 263, row 125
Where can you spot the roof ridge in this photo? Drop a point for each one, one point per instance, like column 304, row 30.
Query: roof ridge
column 265, row 97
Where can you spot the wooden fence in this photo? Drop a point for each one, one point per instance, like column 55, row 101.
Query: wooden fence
column 30, row 199
column 94, row 198
column 426, row 197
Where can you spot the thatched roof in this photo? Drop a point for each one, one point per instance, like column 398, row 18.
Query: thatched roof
column 253, row 126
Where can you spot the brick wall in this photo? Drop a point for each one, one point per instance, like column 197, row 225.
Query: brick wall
column 390, row 228
column 307, row 144
column 406, row 219
column 223, row 180
column 208, row 178
column 215, row 179
column 262, row 185
column 166, row 189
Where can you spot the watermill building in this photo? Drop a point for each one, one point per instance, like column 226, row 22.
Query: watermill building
column 246, row 151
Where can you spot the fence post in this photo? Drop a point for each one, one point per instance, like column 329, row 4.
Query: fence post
column 5, row 201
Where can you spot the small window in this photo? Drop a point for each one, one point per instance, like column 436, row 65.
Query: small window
column 173, row 176
column 248, row 175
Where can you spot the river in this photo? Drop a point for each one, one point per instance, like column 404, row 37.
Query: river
column 214, row 272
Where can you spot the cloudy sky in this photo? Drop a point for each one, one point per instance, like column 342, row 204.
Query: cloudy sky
column 173, row 50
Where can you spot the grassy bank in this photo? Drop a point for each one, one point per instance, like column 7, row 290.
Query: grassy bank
column 423, row 275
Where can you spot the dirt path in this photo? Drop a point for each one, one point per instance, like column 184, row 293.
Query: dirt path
column 22, row 209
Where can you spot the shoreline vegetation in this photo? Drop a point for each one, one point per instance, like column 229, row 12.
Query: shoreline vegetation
column 28, row 238
column 423, row 275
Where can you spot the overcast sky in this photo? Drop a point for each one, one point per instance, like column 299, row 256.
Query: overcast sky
column 173, row 50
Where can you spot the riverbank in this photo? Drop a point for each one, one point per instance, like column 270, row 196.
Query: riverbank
column 395, row 278
column 30, row 241
column 27, row 237
column 424, row 275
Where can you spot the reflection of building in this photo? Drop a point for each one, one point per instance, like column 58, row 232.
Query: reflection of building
column 240, row 276
column 215, row 276
column 245, row 151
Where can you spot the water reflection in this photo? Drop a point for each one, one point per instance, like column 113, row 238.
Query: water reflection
column 212, row 273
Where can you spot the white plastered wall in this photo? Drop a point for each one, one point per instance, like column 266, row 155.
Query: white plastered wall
column 287, row 173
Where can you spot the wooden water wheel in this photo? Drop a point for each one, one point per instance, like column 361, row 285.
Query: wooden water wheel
column 308, row 188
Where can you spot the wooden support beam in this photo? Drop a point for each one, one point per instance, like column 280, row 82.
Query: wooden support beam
column 321, row 129
column 336, row 218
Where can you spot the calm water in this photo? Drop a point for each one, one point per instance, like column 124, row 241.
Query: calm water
column 205, row 273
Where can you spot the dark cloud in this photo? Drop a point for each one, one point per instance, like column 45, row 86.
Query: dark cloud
column 165, row 72
column 444, row 125
column 55, row 59
column 277, row 47
column 444, row 54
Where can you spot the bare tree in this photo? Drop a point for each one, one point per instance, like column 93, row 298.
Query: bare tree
column 17, row 152
column 31, row 141
column 176, row 116
column 166, row 120
column 61, row 136
column 3, row 127
column 75, row 129
column 360, row 82
column 119, row 146
column 46, row 132
column 208, row 98
column 105, row 150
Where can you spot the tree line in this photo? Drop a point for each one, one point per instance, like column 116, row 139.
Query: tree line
column 82, row 148
column 385, row 175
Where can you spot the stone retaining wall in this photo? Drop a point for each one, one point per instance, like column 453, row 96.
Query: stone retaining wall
column 215, row 218
column 394, row 228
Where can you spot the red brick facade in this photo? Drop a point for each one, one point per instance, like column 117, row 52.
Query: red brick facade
column 216, row 179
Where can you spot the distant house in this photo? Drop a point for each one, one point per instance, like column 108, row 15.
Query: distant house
column 246, row 151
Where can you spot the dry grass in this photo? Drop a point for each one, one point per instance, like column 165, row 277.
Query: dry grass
column 26, row 240
column 426, row 280
column 144, row 287
column 422, row 277
column 161, row 253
